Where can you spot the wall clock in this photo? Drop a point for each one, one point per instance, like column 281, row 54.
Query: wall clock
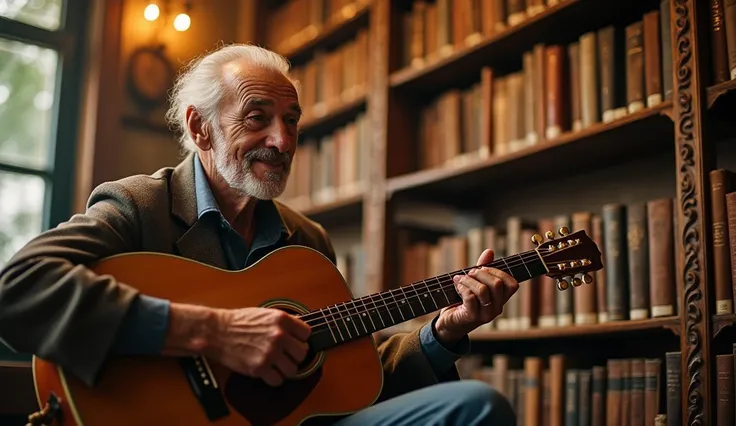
column 150, row 76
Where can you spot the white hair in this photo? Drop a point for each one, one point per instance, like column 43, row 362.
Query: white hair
column 201, row 84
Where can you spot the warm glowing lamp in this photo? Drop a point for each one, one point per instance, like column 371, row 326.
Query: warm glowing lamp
column 151, row 12
column 182, row 22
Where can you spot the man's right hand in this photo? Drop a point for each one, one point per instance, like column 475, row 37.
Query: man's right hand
column 258, row 342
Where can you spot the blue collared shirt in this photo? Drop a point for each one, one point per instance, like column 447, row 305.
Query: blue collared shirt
column 143, row 331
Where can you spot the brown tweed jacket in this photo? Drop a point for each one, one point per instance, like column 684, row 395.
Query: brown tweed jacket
column 52, row 306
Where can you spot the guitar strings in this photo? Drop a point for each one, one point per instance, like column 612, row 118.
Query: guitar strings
column 321, row 316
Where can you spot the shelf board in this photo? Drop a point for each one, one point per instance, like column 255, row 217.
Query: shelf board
column 722, row 321
column 560, row 23
column 719, row 90
column 333, row 118
column 335, row 32
column 669, row 323
column 342, row 210
column 643, row 132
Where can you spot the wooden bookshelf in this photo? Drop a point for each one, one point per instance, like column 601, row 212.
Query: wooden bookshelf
column 338, row 28
column 333, row 118
column 680, row 133
column 346, row 209
column 599, row 144
column 581, row 331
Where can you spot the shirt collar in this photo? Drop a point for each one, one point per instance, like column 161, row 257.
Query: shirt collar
column 269, row 219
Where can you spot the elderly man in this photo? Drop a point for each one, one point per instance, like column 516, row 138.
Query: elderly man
column 239, row 116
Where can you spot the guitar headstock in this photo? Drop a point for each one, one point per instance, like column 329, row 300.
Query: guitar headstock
column 570, row 258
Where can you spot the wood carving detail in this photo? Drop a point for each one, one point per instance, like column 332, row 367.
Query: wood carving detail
column 691, row 238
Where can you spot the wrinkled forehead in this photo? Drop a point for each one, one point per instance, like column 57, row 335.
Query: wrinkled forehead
column 252, row 81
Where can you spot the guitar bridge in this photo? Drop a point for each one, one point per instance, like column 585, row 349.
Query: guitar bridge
column 205, row 388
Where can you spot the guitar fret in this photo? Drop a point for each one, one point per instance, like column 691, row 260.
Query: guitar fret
column 377, row 309
column 357, row 313
column 398, row 305
column 442, row 289
column 408, row 302
column 368, row 313
column 429, row 291
column 329, row 326
column 419, row 298
column 348, row 320
column 338, row 325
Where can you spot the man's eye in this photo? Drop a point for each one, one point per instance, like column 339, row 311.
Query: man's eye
column 292, row 120
column 257, row 117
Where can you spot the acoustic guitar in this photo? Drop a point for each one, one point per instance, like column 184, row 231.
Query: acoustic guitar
column 342, row 372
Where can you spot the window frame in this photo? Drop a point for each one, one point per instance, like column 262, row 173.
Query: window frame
column 69, row 43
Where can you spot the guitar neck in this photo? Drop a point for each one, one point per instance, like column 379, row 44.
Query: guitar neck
column 360, row 317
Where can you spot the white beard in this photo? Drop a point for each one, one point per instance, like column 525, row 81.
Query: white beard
column 240, row 176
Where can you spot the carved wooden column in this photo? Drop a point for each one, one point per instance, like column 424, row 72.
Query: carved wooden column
column 693, row 161
column 374, row 206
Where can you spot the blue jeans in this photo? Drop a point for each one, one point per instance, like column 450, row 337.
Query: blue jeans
column 461, row 403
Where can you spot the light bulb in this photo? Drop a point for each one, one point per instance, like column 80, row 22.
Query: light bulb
column 182, row 21
column 151, row 13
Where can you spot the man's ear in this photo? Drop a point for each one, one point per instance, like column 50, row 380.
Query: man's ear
column 198, row 129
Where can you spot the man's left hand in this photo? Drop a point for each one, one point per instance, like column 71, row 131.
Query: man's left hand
column 484, row 292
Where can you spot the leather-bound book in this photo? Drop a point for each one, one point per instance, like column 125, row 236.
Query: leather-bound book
column 673, row 368
column 584, row 393
column 617, row 283
column 548, row 292
column 529, row 291
column 534, row 7
column 729, row 12
column 625, row 391
column 516, row 11
column 500, row 14
column 598, row 396
column 576, row 113
column 724, row 389
column 635, row 67
column 660, row 420
column 533, row 367
column 613, row 392
column 585, row 295
column 556, row 89
column 529, row 108
column 662, row 291
column 572, row 403
column 637, row 395
column 652, row 59
column 540, row 91
column 612, row 63
column 599, row 280
column 546, row 398
column 721, row 183
column 637, row 237
column 652, row 395
column 666, row 39
column 557, row 367
column 718, row 42
column 589, row 79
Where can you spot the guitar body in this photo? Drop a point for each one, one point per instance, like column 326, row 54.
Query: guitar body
column 156, row 391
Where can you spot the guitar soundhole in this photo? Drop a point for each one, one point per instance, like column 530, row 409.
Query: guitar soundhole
column 262, row 404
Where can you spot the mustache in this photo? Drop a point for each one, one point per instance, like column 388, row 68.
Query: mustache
column 268, row 155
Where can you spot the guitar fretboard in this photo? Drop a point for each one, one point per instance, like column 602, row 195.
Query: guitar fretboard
column 360, row 317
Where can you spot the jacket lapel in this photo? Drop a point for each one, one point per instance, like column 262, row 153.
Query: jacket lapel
column 200, row 241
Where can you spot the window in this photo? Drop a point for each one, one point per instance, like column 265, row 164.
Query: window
column 41, row 47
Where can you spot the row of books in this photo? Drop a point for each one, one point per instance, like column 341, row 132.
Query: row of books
column 725, row 385
column 333, row 78
column 433, row 29
column 604, row 76
column 561, row 391
column 331, row 167
column 351, row 264
column 723, row 220
column 723, row 40
column 637, row 281
column 298, row 22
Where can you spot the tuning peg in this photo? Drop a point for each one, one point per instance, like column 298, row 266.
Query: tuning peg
column 550, row 235
column 562, row 284
column 537, row 239
column 587, row 279
column 577, row 282
column 564, row 231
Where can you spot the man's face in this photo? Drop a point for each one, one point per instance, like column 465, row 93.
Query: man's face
column 255, row 141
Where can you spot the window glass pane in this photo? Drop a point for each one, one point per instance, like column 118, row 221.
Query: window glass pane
column 21, row 211
column 39, row 13
column 27, row 88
